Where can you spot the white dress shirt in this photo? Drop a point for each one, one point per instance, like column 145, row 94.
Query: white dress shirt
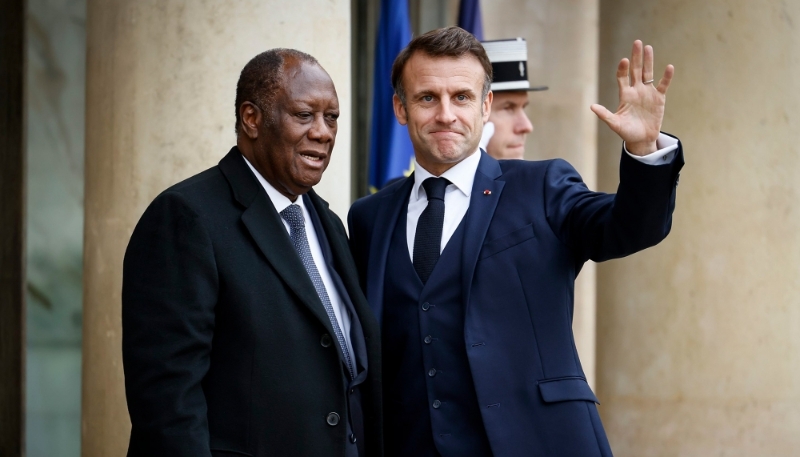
column 281, row 202
column 462, row 175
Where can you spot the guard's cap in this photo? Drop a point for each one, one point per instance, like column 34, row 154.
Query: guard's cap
column 509, row 60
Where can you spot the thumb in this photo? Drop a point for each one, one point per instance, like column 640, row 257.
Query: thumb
column 604, row 114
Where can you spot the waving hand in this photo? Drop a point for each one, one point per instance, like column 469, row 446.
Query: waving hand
column 641, row 102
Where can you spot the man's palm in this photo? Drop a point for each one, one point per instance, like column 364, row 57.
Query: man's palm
column 641, row 106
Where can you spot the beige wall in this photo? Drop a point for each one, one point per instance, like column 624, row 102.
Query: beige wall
column 699, row 337
column 161, row 80
column 562, row 54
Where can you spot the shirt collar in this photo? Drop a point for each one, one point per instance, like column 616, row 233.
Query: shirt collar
column 461, row 175
column 278, row 199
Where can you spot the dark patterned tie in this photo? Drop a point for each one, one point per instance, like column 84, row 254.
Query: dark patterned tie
column 293, row 214
column 428, row 237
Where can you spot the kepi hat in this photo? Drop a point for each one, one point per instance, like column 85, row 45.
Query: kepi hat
column 509, row 60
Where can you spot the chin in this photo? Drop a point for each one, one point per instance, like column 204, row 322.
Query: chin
column 514, row 153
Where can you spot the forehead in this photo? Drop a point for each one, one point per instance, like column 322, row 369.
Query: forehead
column 423, row 72
column 308, row 83
column 517, row 97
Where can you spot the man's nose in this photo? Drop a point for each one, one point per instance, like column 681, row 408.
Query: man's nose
column 522, row 124
column 321, row 131
column 445, row 113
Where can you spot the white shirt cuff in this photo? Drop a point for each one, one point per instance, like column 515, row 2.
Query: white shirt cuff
column 667, row 147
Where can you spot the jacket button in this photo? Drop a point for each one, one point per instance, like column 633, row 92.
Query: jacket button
column 432, row 372
column 426, row 306
column 436, row 404
column 325, row 341
column 332, row 419
column 352, row 438
column 428, row 339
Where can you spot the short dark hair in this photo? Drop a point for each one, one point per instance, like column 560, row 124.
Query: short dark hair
column 445, row 42
column 263, row 76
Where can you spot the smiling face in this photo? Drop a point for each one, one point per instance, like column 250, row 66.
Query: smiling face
column 443, row 111
column 511, row 125
column 293, row 151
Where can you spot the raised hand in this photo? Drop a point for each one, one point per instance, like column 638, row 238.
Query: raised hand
column 641, row 103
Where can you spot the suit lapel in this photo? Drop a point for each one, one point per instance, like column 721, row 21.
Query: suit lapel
column 269, row 233
column 481, row 211
column 389, row 209
column 343, row 263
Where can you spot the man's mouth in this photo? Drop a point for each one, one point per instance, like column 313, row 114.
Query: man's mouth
column 445, row 133
column 313, row 160
column 311, row 157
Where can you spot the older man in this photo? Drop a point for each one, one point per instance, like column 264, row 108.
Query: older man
column 245, row 332
column 470, row 263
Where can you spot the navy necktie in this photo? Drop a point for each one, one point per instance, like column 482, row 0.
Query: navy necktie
column 293, row 214
column 428, row 237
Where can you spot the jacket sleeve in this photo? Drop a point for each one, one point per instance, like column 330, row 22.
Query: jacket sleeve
column 601, row 226
column 359, row 241
column 169, row 290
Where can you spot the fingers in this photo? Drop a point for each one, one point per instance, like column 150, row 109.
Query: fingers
column 622, row 74
column 663, row 85
column 647, row 72
column 636, row 62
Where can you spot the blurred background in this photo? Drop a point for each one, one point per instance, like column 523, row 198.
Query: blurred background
column 693, row 346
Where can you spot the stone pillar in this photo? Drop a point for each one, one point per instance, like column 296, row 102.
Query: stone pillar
column 161, row 82
column 562, row 54
column 699, row 337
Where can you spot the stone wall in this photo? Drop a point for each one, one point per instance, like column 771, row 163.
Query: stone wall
column 699, row 337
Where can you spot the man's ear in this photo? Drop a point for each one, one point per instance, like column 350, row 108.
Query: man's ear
column 250, row 117
column 399, row 110
column 487, row 106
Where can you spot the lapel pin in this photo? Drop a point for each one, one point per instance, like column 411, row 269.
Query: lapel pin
column 487, row 192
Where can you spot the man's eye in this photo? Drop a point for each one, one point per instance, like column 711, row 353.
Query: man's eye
column 427, row 98
column 304, row 115
column 461, row 98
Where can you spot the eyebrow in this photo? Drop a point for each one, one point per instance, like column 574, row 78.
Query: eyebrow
column 423, row 93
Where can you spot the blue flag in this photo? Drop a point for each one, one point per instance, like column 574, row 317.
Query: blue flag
column 390, row 152
column 469, row 18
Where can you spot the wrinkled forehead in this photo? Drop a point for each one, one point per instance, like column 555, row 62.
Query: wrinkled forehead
column 294, row 68
column 307, row 81
column 424, row 70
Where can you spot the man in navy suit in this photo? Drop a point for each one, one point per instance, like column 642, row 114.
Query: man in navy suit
column 469, row 264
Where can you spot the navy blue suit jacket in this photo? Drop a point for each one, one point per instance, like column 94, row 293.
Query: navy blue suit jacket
column 525, row 242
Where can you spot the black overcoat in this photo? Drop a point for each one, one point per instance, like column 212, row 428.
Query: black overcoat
column 225, row 342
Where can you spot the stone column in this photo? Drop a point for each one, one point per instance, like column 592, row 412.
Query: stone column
column 161, row 82
column 562, row 54
column 699, row 337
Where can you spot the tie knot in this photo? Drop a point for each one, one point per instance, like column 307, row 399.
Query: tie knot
column 435, row 187
column 293, row 214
